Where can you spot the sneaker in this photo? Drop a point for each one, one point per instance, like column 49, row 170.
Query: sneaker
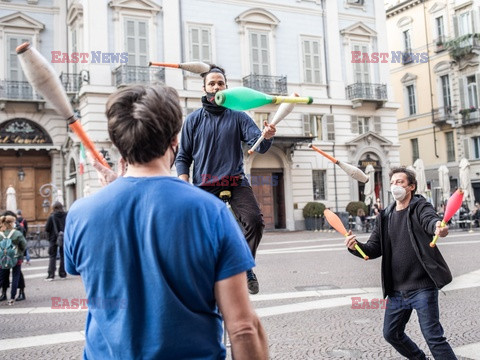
column 11, row 302
column 252, row 282
column 50, row 278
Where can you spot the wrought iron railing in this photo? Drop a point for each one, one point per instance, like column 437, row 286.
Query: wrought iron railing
column 128, row 74
column 17, row 90
column 273, row 85
column 367, row 91
column 71, row 82
column 470, row 118
column 444, row 114
column 463, row 45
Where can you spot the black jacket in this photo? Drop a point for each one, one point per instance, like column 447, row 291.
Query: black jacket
column 59, row 218
column 421, row 227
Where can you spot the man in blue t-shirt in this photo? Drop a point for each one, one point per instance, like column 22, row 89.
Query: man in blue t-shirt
column 212, row 140
column 157, row 255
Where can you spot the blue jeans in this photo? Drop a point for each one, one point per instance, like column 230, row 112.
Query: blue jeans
column 397, row 314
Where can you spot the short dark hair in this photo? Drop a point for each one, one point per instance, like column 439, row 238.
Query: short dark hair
column 57, row 206
column 411, row 176
column 213, row 69
column 143, row 121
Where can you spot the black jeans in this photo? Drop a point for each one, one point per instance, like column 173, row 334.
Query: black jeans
column 247, row 211
column 52, row 252
column 397, row 314
column 4, row 279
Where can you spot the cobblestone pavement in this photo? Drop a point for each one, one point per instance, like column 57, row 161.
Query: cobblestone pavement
column 307, row 281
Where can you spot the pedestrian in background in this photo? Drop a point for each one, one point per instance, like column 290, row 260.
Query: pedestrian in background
column 412, row 272
column 55, row 224
column 8, row 231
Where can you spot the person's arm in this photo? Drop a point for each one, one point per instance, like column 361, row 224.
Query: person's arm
column 184, row 157
column 251, row 133
column 247, row 335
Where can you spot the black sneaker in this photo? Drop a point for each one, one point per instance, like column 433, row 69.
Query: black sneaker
column 50, row 278
column 252, row 282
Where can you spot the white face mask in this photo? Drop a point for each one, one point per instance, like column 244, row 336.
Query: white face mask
column 398, row 192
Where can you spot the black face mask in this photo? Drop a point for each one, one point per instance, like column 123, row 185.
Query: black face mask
column 175, row 152
column 211, row 106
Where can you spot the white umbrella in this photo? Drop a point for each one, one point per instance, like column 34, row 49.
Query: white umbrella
column 369, row 190
column 11, row 203
column 421, row 179
column 444, row 181
column 466, row 184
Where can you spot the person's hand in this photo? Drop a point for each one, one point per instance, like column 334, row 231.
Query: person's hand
column 441, row 231
column 350, row 241
column 269, row 130
column 105, row 174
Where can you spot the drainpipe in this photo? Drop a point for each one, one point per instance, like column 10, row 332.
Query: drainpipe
column 430, row 81
column 327, row 79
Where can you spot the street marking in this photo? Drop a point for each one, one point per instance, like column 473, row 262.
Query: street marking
column 40, row 340
column 33, row 268
column 316, row 293
column 36, row 310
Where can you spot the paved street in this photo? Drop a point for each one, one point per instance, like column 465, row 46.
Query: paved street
column 307, row 281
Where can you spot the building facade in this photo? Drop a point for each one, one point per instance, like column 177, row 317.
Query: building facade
column 277, row 47
column 435, row 83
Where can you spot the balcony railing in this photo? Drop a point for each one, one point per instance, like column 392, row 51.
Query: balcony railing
column 128, row 74
column 273, row 85
column 444, row 114
column 463, row 45
column 71, row 82
column 367, row 92
column 407, row 57
column 470, row 116
column 440, row 44
column 17, row 90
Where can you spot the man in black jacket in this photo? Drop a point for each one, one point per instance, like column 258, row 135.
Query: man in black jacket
column 412, row 272
column 55, row 224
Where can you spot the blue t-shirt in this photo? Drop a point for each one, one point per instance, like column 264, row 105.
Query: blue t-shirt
column 149, row 251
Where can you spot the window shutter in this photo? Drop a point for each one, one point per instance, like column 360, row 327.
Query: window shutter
column 330, row 127
column 306, row 125
column 466, row 148
column 377, row 124
column 354, row 124
column 455, row 25
column 462, row 92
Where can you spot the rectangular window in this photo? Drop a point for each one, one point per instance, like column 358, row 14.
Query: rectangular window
column 259, row 52
column 476, row 147
column 14, row 70
column 464, row 24
column 412, row 107
column 312, row 61
column 447, row 102
column 361, row 70
column 407, row 41
column 472, row 92
column 415, row 154
column 200, row 40
column 450, row 146
column 318, row 179
column 136, row 40
column 440, row 29
column 363, row 124
column 330, row 127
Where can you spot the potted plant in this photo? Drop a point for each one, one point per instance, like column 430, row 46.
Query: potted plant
column 312, row 213
column 353, row 206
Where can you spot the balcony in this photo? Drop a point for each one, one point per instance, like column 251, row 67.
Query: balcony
column 407, row 57
column 128, row 74
column 72, row 82
column 272, row 85
column 463, row 46
column 444, row 115
column 470, row 116
column 440, row 44
column 18, row 90
column 366, row 92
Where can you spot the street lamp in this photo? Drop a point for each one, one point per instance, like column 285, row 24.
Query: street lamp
column 21, row 174
column 47, row 190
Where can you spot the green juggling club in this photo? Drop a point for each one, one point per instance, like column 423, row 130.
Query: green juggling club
column 243, row 98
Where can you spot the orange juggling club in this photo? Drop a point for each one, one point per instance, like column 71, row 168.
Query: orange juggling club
column 453, row 204
column 337, row 224
column 196, row 67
